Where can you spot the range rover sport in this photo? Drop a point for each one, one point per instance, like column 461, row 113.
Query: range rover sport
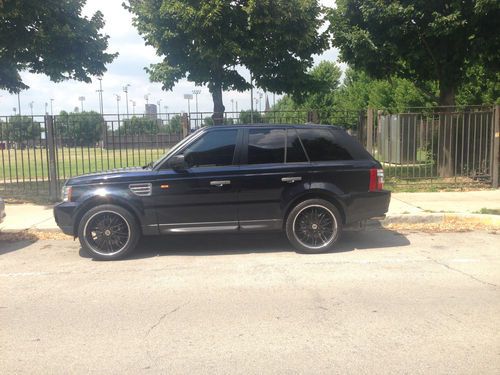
column 307, row 180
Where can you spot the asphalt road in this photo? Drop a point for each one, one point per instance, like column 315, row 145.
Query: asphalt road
column 383, row 303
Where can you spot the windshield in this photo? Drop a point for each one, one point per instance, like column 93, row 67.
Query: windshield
column 174, row 149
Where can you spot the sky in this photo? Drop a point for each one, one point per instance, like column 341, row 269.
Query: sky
column 126, row 69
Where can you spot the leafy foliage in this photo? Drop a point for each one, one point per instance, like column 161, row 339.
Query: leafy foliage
column 206, row 41
column 80, row 128
column 140, row 125
column 20, row 129
column 246, row 117
column 419, row 40
column 50, row 37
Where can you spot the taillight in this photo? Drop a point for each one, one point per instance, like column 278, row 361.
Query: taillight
column 376, row 179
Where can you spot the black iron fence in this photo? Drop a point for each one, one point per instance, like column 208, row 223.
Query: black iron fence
column 38, row 153
column 438, row 145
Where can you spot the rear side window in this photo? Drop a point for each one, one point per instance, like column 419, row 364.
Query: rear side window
column 321, row 145
column 266, row 146
column 215, row 148
column 294, row 150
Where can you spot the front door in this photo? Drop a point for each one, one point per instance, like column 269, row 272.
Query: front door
column 203, row 197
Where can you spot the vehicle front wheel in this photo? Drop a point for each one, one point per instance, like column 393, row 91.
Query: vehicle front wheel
column 108, row 232
column 313, row 226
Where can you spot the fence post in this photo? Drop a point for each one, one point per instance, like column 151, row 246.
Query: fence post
column 369, row 129
column 49, row 126
column 495, row 165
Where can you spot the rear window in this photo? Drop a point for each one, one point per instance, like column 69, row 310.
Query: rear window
column 322, row 145
column 294, row 150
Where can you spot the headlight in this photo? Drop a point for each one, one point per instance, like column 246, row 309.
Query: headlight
column 66, row 193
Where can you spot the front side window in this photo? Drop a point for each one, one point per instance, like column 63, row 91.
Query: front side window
column 321, row 145
column 266, row 146
column 213, row 149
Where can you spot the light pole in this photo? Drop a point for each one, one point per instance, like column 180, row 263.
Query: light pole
column 232, row 105
column 158, row 103
column 189, row 97
column 101, row 105
column 260, row 101
column 118, row 107
column 51, row 107
column 146, row 97
column 31, row 108
column 46, row 108
column 15, row 110
column 133, row 106
column 196, row 93
column 125, row 90
column 81, row 99
column 19, row 102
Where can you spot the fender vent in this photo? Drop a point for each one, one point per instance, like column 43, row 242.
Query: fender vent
column 142, row 190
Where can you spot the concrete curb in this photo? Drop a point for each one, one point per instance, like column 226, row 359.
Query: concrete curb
column 439, row 218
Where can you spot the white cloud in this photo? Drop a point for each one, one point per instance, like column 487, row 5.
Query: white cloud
column 128, row 68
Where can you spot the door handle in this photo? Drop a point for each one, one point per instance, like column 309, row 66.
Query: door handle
column 291, row 180
column 220, row 183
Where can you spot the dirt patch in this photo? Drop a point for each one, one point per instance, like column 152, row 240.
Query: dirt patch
column 449, row 225
column 30, row 235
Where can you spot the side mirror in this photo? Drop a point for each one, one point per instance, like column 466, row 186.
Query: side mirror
column 178, row 163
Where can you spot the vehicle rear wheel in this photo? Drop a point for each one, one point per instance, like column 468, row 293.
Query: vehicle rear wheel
column 313, row 226
column 108, row 232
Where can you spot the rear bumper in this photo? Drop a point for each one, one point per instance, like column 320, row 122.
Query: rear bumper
column 64, row 216
column 365, row 206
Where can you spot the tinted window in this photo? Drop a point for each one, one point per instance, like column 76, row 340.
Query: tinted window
column 266, row 146
column 294, row 150
column 321, row 145
column 214, row 148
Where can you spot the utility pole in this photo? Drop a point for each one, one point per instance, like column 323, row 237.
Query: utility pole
column 125, row 90
column 51, row 107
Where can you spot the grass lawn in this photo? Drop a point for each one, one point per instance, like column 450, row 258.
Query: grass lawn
column 31, row 165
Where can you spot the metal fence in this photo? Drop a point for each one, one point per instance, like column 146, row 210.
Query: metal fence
column 438, row 145
column 38, row 153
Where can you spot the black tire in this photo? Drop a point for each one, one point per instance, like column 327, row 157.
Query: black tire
column 108, row 232
column 313, row 226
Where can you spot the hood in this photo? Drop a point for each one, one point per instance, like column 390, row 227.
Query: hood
column 114, row 175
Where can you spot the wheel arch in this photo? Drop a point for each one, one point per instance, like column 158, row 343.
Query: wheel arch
column 98, row 201
column 316, row 194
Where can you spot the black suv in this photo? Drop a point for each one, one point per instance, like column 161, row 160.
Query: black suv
column 308, row 180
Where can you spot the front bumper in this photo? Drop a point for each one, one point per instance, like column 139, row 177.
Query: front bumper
column 64, row 214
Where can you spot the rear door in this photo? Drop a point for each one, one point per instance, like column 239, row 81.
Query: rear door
column 273, row 166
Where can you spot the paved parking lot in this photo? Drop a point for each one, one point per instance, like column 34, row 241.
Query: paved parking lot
column 382, row 303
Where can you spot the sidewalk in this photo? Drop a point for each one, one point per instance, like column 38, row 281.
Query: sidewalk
column 405, row 207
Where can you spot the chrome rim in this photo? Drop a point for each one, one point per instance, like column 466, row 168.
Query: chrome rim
column 315, row 227
column 107, row 233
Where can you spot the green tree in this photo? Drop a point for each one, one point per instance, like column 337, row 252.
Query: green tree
column 246, row 117
column 175, row 124
column 206, row 41
column 419, row 40
column 140, row 125
column 50, row 37
column 21, row 129
column 80, row 128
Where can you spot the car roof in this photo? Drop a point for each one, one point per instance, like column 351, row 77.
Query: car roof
column 276, row 126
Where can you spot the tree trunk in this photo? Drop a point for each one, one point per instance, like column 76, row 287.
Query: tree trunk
column 446, row 161
column 219, row 109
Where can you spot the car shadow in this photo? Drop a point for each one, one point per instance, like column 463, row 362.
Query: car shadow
column 247, row 243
